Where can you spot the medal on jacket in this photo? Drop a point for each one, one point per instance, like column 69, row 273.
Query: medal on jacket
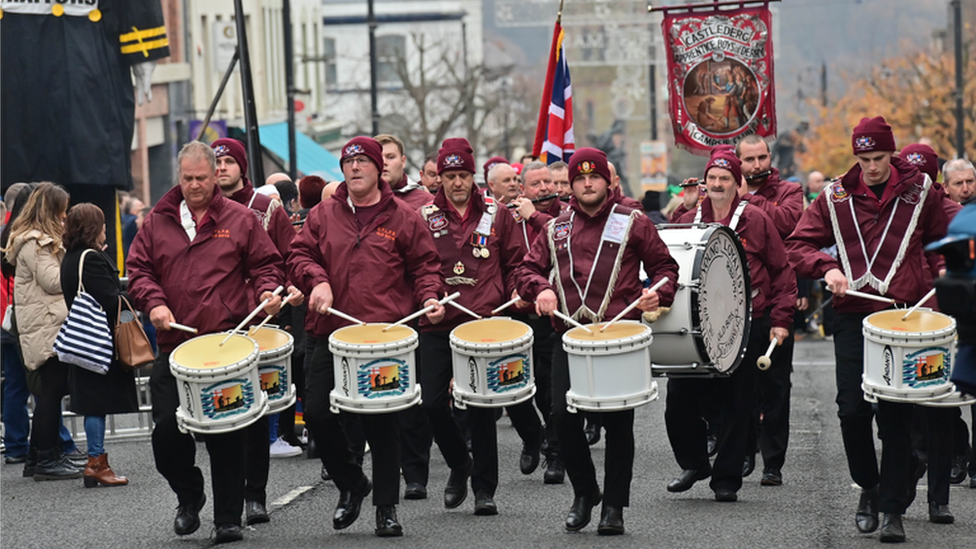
column 479, row 245
column 459, row 268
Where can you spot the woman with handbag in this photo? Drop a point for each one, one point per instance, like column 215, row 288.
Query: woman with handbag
column 95, row 395
column 34, row 248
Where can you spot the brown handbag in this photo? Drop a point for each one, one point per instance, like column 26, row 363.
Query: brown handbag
column 131, row 343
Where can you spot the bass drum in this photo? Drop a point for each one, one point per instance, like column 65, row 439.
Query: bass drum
column 706, row 332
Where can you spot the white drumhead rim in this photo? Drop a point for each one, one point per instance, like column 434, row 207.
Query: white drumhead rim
column 490, row 347
column 192, row 374
column 406, row 344
column 883, row 335
column 625, row 344
column 275, row 353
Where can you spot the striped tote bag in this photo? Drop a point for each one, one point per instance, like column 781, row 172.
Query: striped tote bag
column 84, row 339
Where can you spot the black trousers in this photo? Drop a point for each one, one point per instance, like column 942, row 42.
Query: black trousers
column 544, row 335
column 258, row 458
column 618, row 467
column 773, row 403
column 416, row 438
column 45, row 433
column 938, row 428
column 382, row 432
column 436, row 375
column 690, row 399
column 175, row 452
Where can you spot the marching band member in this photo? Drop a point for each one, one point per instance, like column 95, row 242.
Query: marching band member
column 368, row 255
column 479, row 249
column 597, row 245
column 410, row 192
column 773, row 300
column 879, row 214
column 782, row 202
column 232, row 180
column 193, row 255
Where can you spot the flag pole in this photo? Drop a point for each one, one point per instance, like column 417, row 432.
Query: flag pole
column 559, row 16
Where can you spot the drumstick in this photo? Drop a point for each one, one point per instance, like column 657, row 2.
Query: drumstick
column 630, row 307
column 872, row 297
column 423, row 311
column 569, row 320
column 253, row 314
column 341, row 314
column 919, row 304
column 464, row 309
column 183, row 327
column 506, row 305
column 265, row 321
column 763, row 362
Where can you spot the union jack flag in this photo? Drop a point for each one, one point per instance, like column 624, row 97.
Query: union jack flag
column 554, row 134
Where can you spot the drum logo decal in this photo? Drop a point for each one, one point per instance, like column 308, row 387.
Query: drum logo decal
column 274, row 379
column 227, row 398
column 345, row 376
column 925, row 367
column 508, row 373
column 473, row 374
column 383, row 378
column 189, row 399
column 437, row 222
column 889, row 362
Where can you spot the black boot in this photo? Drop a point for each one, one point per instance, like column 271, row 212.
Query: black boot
column 52, row 465
column 387, row 525
column 31, row 464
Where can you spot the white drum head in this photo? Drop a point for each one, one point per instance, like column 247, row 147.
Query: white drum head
column 724, row 299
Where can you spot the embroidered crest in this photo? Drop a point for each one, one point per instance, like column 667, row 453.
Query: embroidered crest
column 561, row 231
column 492, row 165
column 916, row 159
column 912, row 194
column 459, row 268
column 437, row 222
column 586, row 167
column 864, row 142
column 722, row 163
column 222, row 150
column 515, row 215
column 839, row 193
column 352, row 150
column 453, row 161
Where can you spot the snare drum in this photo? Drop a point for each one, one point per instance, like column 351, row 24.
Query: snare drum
column 274, row 366
column 218, row 385
column 706, row 332
column 908, row 360
column 375, row 371
column 492, row 360
column 609, row 370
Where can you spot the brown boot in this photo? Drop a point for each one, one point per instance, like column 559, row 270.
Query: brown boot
column 98, row 471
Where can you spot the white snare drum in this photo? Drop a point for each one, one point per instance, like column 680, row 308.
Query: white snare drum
column 611, row 370
column 218, row 385
column 706, row 331
column 375, row 371
column 908, row 360
column 492, row 361
column 274, row 366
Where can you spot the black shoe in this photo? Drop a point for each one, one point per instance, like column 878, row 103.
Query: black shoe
column 483, row 504
column 748, row 465
column 579, row 513
column 188, row 517
column 350, row 502
column 940, row 514
column 866, row 517
column 31, row 464
column 457, row 485
column 52, row 465
column 611, row 521
column 772, row 477
column 387, row 525
column 226, row 533
column 687, row 478
column 972, row 480
column 12, row 460
column 77, row 458
column 255, row 512
column 313, row 452
column 529, row 460
column 592, row 432
column 726, row 495
column 555, row 471
column 415, row 490
column 325, row 474
column 712, row 444
column 892, row 530
column 956, row 475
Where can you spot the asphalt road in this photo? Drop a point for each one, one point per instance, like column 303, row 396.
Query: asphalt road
column 814, row 508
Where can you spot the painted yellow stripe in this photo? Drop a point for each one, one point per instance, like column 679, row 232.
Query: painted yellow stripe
column 142, row 34
column 144, row 47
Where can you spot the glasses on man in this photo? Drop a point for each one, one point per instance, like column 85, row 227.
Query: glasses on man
column 360, row 159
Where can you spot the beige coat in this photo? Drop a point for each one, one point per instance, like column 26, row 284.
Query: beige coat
column 38, row 304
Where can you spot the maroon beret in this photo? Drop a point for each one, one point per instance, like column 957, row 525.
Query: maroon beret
column 923, row 158
column 872, row 134
column 455, row 154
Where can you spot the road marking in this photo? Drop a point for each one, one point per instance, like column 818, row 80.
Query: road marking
column 290, row 496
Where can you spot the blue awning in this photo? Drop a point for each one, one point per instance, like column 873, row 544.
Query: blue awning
column 313, row 159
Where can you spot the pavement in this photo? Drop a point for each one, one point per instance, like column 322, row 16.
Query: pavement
column 814, row 507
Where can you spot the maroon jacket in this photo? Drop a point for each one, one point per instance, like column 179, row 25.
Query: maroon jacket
column 414, row 195
column 781, row 200
column 494, row 274
column 678, row 213
column 379, row 273
column 643, row 246
column 278, row 226
column 912, row 279
column 772, row 279
column 201, row 281
column 536, row 224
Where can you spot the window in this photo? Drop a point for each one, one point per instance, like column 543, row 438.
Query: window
column 329, row 55
column 390, row 51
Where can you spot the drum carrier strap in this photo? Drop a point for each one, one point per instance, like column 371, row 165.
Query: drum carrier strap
column 735, row 216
